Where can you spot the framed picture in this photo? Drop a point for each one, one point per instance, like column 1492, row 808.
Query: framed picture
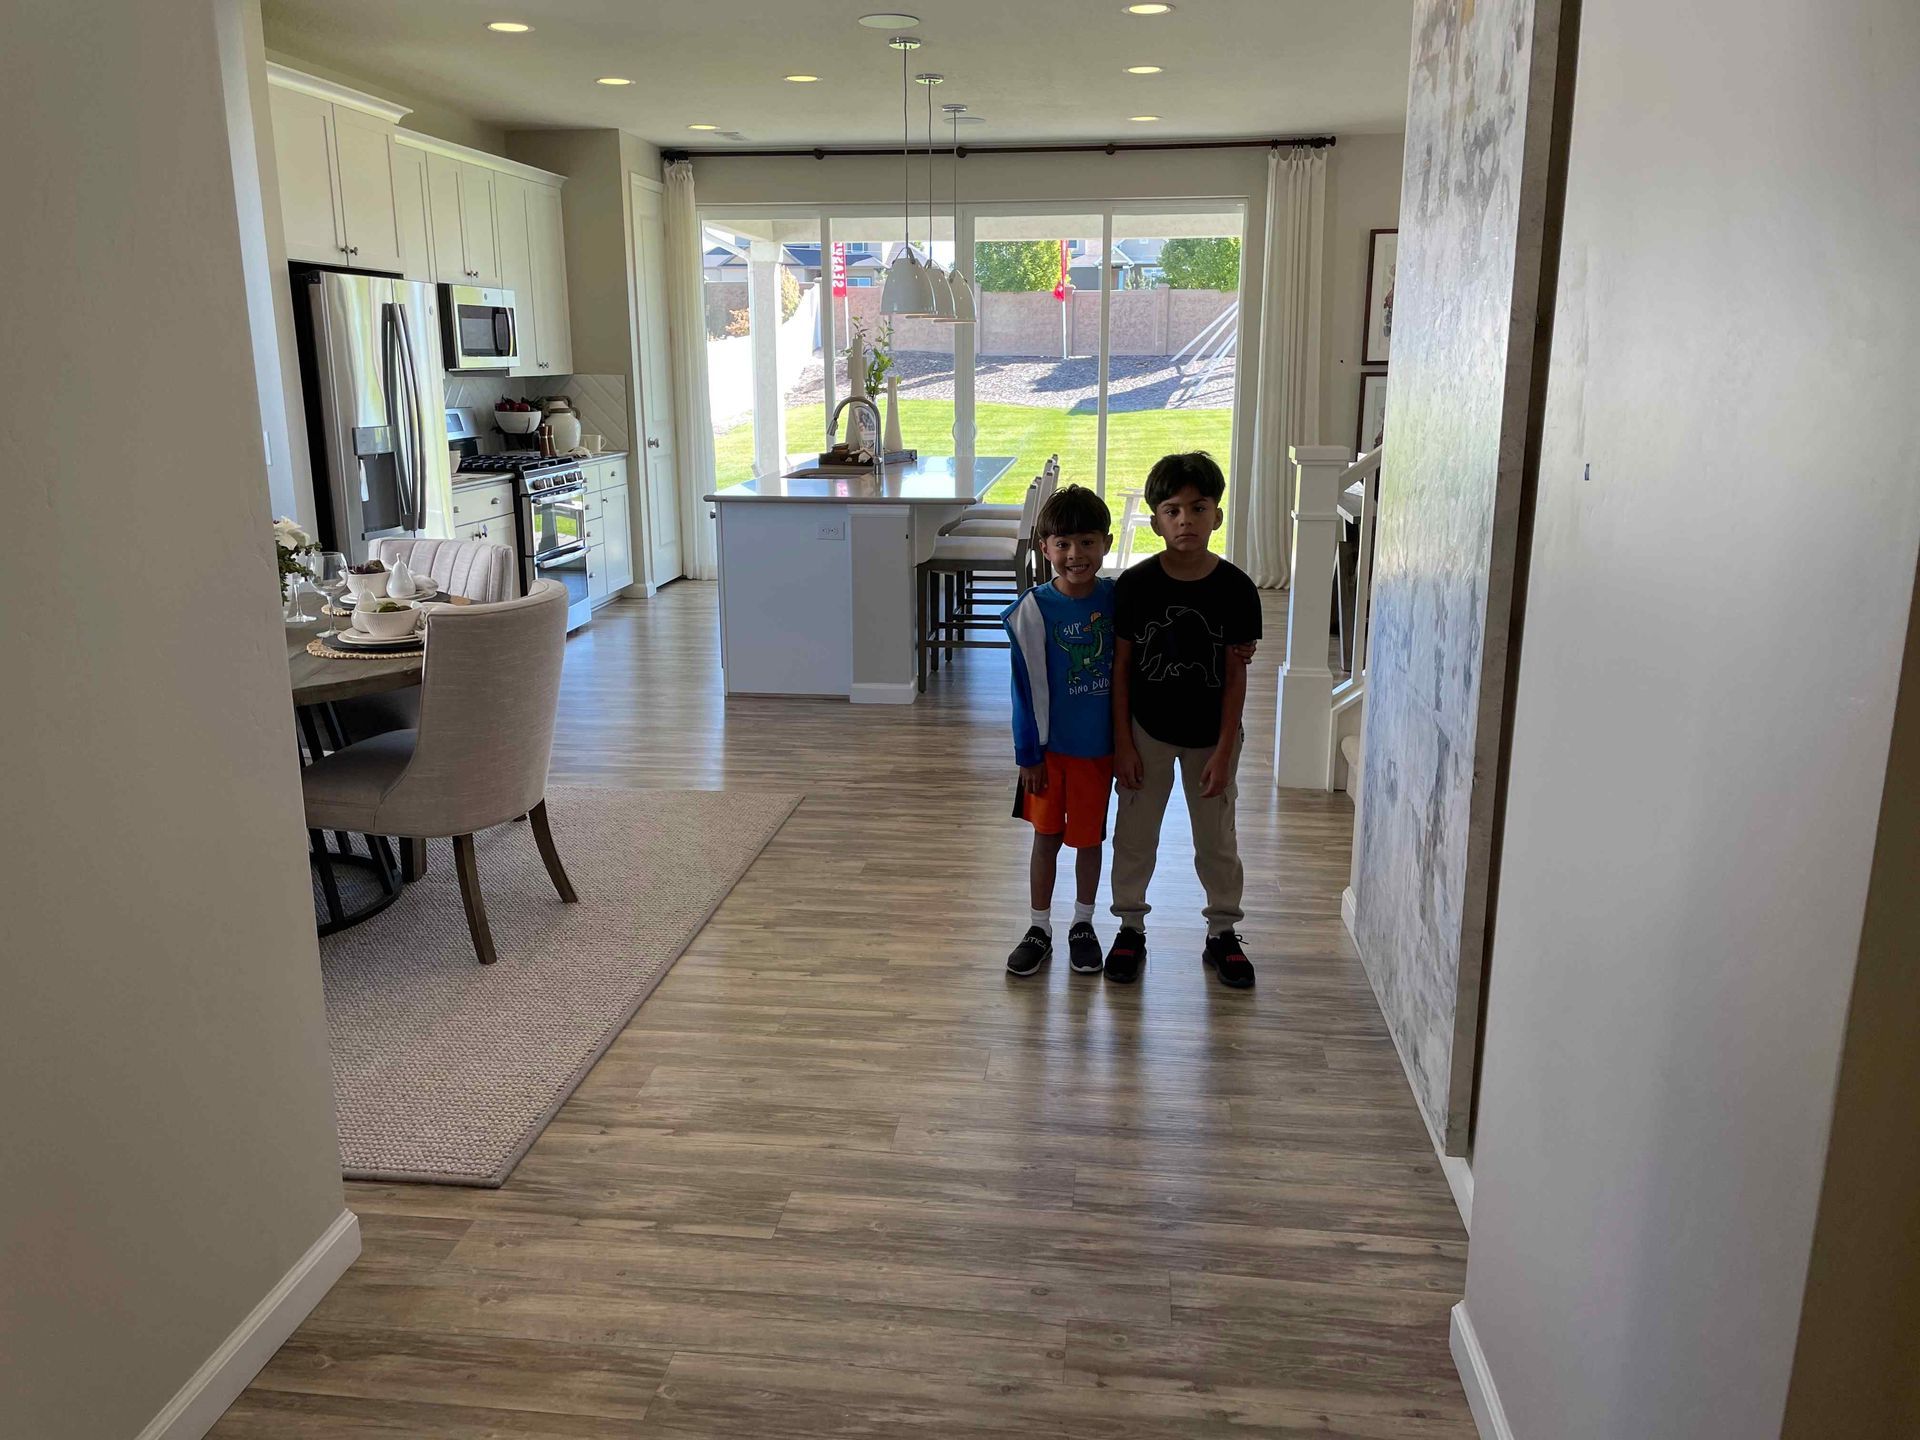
column 1371, row 426
column 1382, row 257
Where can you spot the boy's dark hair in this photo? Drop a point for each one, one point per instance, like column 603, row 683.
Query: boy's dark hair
column 1173, row 473
column 1074, row 510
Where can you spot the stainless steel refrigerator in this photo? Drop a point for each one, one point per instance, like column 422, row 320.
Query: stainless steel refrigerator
column 370, row 370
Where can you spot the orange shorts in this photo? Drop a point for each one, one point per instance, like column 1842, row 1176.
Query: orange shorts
column 1074, row 804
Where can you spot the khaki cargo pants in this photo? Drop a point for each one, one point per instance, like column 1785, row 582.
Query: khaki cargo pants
column 1136, row 833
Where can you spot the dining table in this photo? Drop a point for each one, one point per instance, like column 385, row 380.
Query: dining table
column 318, row 683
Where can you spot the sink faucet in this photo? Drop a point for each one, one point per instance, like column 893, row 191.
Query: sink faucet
column 833, row 425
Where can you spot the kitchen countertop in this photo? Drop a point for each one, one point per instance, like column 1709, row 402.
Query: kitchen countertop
column 930, row 480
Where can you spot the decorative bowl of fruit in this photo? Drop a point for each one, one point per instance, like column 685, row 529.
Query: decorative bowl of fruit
column 517, row 417
column 386, row 619
column 366, row 581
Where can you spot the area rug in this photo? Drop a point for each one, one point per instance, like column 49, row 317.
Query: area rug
column 445, row 1071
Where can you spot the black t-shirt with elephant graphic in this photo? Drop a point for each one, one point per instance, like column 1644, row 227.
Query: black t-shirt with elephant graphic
column 1180, row 631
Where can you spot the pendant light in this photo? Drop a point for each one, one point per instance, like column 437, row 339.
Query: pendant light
column 957, row 281
column 909, row 290
column 942, row 287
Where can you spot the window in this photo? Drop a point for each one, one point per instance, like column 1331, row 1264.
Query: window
column 764, row 372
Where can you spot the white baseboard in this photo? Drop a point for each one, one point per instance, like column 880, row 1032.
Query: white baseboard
column 1483, row 1398
column 1349, row 914
column 876, row 693
column 192, row 1411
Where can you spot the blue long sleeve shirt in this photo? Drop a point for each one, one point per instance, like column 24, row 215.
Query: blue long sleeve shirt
column 1062, row 673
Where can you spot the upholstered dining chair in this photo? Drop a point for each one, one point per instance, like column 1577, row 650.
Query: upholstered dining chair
column 479, row 758
column 481, row 570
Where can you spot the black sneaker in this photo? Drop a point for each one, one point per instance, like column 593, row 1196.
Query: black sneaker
column 1229, row 961
column 1033, row 951
column 1128, row 956
column 1083, row 949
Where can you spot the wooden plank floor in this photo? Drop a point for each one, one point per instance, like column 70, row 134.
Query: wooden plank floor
column 843, row 1176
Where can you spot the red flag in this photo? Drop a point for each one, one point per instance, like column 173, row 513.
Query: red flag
column 839, row 269
column 1060, row 290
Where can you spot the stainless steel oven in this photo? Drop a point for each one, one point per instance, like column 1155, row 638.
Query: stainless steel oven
column 481, row 329
column 555, row 543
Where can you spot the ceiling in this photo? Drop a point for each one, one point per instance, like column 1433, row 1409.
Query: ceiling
column 1038, row 70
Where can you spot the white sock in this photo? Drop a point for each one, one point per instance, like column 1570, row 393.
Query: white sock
column 1083, row 912
column 1043, row 920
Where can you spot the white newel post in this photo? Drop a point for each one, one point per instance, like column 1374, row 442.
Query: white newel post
column 763, row 318
column 1306, row 684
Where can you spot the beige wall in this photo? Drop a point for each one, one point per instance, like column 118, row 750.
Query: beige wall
column 1723, row 560
column 428, row 117
column 169, row 1148
column 1363, row 194
column 1856, row 1370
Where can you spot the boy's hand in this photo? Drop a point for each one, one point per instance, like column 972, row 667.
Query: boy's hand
column 1244, row 652
column 1127, row 769
column 1033, row 778
column 1217, row 773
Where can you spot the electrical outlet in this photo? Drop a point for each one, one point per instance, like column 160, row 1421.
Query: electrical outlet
column 831, row 530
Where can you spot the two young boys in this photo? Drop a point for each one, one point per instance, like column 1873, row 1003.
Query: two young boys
column 1127, row 680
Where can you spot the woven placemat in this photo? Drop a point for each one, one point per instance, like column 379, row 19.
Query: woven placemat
column 321, row 650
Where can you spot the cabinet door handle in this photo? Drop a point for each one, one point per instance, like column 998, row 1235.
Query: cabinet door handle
column 652, row 444
column 353, row 250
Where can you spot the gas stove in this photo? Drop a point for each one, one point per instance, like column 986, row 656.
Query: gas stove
column 536, row 472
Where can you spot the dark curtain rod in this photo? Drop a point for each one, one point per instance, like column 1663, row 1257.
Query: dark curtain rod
column 820, row 152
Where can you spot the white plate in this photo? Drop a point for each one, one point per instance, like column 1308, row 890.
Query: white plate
column 360, row 640
column 424, row 590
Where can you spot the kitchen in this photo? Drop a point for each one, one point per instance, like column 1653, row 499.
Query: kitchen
column 430, row 300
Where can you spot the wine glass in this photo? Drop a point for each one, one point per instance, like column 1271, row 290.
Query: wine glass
column 330, row 578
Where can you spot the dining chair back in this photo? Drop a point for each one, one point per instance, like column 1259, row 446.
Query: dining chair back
column 480, row 570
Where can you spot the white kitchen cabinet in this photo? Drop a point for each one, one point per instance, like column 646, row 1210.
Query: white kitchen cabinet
column 335, row 166
column 303, row 154
column 411, row 211
column 499, row 532
column 363, row 155
column 516, row 264
column 596, row 573
column 466, row 245
column 546, row 243
column 619, row 541
column 473, row 503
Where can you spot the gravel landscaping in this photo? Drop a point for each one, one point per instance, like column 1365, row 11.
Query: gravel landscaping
column 1134, row 382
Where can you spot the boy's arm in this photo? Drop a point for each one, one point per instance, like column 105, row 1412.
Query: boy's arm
column 1028, row 753
column 1217, row 774
column 1126, row 758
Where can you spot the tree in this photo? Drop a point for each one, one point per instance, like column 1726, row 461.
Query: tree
column 1013, row 265
column 789, row 294
column 1201, row 262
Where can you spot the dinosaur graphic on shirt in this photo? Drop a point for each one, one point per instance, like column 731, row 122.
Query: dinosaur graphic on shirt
column 1086, row 642
column 1182, row 642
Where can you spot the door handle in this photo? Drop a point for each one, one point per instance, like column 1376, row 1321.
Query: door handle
column 652, row 444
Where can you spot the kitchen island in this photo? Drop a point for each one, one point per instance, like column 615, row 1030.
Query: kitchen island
column 817, row 574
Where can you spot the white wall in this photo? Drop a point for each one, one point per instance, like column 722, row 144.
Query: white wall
column 1712, row 636
column 169, row 1148
column 1363, row 194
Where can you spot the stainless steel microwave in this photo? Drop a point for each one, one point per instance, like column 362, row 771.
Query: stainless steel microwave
column 481, row 329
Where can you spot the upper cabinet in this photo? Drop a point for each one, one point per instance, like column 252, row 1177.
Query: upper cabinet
column 546, row 243
column 466, row 240
column 359, row 193
column 335, row 162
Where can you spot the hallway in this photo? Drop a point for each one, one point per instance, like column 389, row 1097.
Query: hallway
column 841, row 1175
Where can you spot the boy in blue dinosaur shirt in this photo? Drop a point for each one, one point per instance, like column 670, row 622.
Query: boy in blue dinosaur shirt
column 1062, row 634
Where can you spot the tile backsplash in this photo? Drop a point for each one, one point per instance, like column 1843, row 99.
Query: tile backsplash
column 599, row 400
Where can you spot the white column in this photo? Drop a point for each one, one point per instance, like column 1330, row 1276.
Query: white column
column 769, row 401
column 1306, row 684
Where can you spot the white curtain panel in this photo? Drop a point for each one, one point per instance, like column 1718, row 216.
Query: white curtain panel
column 687, row 348
column 1287, row 405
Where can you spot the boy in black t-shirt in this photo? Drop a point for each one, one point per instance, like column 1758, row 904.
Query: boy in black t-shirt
column 1184, row 623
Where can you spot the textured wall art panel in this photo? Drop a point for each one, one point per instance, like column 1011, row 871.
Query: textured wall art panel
column 1478, row 113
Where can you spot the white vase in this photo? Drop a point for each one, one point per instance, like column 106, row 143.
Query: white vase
column 399, row 580
column 894, row 443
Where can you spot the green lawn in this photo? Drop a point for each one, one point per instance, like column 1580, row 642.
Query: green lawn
column 1029, row 433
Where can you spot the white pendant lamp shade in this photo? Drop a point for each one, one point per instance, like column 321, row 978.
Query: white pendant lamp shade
column 909, row 290
column 942, row 308
column 962, row 290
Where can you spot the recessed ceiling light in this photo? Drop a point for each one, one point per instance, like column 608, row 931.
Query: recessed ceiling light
column 1148, row 9
column 1143, row 69
column 509, row 27
column 613, row 80
column 703, row 127
column 801, row 79
column 890, row 20
column 1142, row 119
